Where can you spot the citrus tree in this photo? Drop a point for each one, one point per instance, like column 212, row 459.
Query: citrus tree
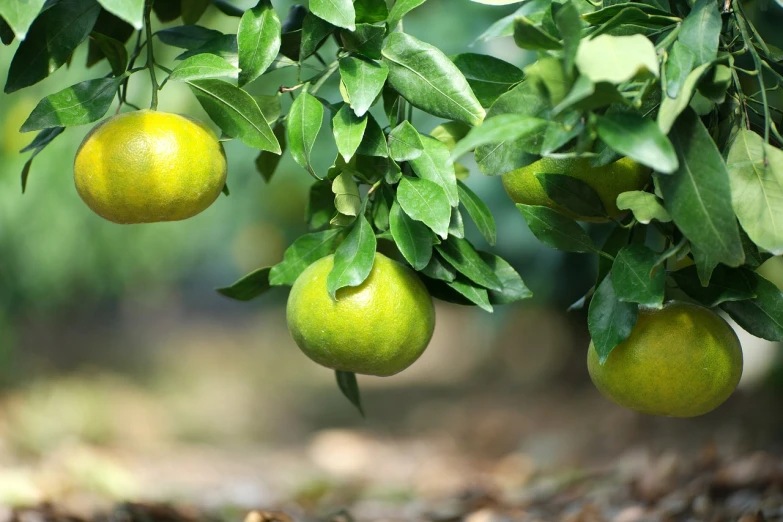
column 658, row 118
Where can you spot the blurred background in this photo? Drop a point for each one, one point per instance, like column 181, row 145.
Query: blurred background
column 125, row 376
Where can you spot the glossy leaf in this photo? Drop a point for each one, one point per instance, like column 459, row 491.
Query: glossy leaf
column 499, row 129
column 488, row 77
column 224, row 46
column 346, row 195
column 248, row 287
column 475, row 294
column 337, row 12
column 20, row 15
column 371, row 11
column 267, row 162
column 514, row 289
column 304, row 121
column 405, row 142
column 644, row 205
column 700, row 31
column 696, row 195
column 756, row 174
column 638, row 138
column 678, row 66
column 400, row 9
column 450, row 132
column 41, row 140
column 425, row 77
column 616, row 59
column 572, row 194
column 363, row 80
column 529, row 35
column 374, row 140
column 439, row 269
column 569, row 24
column 113, row 50
column 258, row 40
column 460, row 254
column 433, row 164
column 763, row 315
column 193, row 9
column 346, row 381
column 555, row 229
column 671, row 108
column 314, row 32
column 479, row 212
column 353, row 259
column 614, row 242
column 634, row 279
column 236, row 113
column 456, row 224
column 132, row 11
column 366, row 40
column 52, row 38
column 187, row 36
column 203, row 66
column 306, row 250
column 348, row 131
column 413, row 238
column 425, row 201
column 78, row 104
column 726, row 284
column 609, row 320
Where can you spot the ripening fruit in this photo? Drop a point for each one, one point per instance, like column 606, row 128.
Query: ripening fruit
column 681, row 361
column 147, row 166
column 377, row 328
column 608, row 181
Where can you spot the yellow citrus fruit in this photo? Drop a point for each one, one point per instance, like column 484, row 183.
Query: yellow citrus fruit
column 377, row 328
column 681, row 361
column 148, row 166
column 608, row 182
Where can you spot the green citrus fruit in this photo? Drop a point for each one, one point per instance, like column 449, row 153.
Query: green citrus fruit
column 147, row 166
column 681, row 361
column 608, row 182
column 377, row 328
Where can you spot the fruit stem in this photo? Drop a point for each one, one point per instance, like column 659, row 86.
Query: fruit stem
column 151, row 56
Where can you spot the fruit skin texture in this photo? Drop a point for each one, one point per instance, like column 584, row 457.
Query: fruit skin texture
column 377, row 328
column 147, row 166
column 608, row 181
column 681, row 361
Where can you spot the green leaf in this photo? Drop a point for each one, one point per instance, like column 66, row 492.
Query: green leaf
column 450, row 132
column 381, row 208
column 236, row 113
column 192, row 10
column 113, row 50
column 756, row 174
column 225, row 7
column 258, row 41
column 363, row 80
column 609, row 320
column 346, row 195
column 6, row 34
column 726, row 284
column 762, row 316
column 304, row 121
column 433, row 164
column 371, row 11
column 187, row 36
column 474, row 294
column 400, row 9
column 456, row 225
column 488, row 77
column 425, row 77
column 132, row 11
column 50, row 42
column 514, row 289
column 555, row 229
column 425, row 201
column 249, row 287
column 405, row 142
column 413, row 238
column 644, row 205
column 697, row 194
column 353, row 259
column 337, row 12
column 267, row 162
column 460, row 254
column 638, row 138
column 572, row 194
column 570, row 26
column 678, row 66
column 616, row 59
column 634, row 278
column 225, row 46
column 374, row 140
column 270, row 106
column 366, row 40
column 41, row 140
column 203, row 66
column 314, row 32
column 714, row 87
column 346, row 381
column 700, row 31
column 320, row 205
column 76, row 105
column 671, row 108
column 305, row 251
column 348, row 131
column 632, row 20
column 615, row 241
column 499, row 129
column 479, row 212
column 528, row 35
column 20, row 15
column 605, row 14
column 439, row 269
column 548, row 77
